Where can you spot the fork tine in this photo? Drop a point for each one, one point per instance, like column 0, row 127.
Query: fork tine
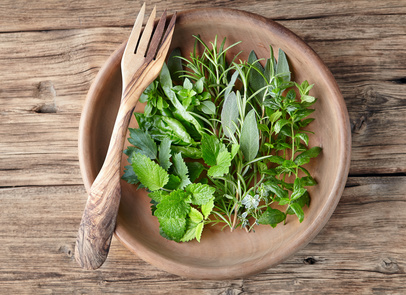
column 169, row 30
column 135, row 33
column 146, row 34
column 156, row 38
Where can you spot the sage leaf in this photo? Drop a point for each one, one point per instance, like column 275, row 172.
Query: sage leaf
column 249, row 140
column 229, row 114
column 282, row 67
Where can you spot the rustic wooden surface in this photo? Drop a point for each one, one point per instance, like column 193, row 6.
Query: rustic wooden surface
column 51, row 51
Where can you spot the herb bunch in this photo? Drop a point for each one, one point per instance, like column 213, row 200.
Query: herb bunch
column 222, row 142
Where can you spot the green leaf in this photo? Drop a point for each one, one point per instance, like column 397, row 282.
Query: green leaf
column 173, row 182
column 282, row 67
column 303, row 136
column 298, row 193
column 223, row 161
column 272, row 216
column 207, row 208
column 144, row 142
column 174, row 228
column 298, row 211
column 229, row 114
column 194, row 226
column 165, row 153
column 279, row 124
column 187, row 151
column 149, row 173
column 284, row 201
column 199, row 85
column 201, row 193
column 187, row 84
column 180, row 109
column 210, row 149
column 255, row 78
column 249, row 139
column 208, row 107
column 195, row 169
column 271, row 186
column 129, row 175
column 234, row 150
column 165, row 77
column 180, row 169
column 304, row 200
column 158, row 195
column 174, row 205
column 231, row 83
column 175, row 64
column 305, row 157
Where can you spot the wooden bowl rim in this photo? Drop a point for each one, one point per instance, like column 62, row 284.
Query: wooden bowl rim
column 308, row 234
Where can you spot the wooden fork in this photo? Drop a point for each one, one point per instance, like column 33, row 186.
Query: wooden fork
column 141, row 63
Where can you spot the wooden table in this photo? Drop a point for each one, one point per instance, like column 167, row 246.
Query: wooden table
column 51, row 51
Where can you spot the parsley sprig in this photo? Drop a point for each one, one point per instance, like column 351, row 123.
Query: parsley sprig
column 223, row 142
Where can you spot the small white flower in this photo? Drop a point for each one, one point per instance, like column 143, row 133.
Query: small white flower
column 250, row 202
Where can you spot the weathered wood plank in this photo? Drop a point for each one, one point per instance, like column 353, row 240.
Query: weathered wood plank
column 360, row 251
column 59, row 14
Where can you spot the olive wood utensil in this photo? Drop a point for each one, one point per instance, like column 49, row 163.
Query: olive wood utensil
column 141, row 63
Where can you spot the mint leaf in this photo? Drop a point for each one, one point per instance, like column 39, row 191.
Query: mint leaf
column 207, row 208
column 195, row 169
column 129, row 175
column 180, row 169
column 210, row 149
column 201, row 193
column 208, row 107
column 194, row 226
column 174, row 228
column 304, row 157
column 149, row 173
column 171, row 213
column 234, row 150
column 223, row 161
column 297, row 209
column 165, row 153
column 272, row 216
column 173, row 182
column 144, row 142
column 249, row 139
column 158, row 195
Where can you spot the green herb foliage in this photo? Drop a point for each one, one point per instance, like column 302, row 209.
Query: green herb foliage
column 223, row 142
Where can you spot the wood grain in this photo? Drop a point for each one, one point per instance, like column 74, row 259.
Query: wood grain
column 50, row 54
column 360, row 251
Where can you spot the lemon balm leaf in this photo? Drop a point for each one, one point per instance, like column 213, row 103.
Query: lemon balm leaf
column 149, row 173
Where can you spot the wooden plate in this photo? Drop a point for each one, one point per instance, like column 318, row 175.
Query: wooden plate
column 221, row 254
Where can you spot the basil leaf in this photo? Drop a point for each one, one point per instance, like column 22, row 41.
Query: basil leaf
column 297, row 209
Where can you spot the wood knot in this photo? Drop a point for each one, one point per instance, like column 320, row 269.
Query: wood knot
column 67, row 250
column 309, row 260
column 45, row 92
column 389, row 266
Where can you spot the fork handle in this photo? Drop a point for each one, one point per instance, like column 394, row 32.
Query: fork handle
column 100, row 214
